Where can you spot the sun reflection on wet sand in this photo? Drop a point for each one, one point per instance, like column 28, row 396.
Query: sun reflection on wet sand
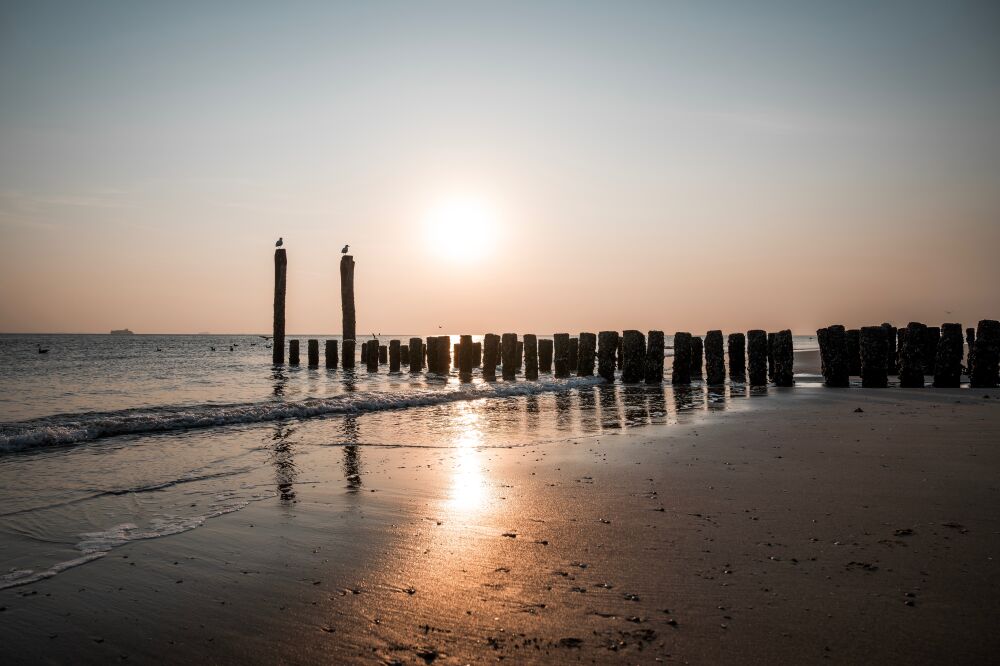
column 468, row 492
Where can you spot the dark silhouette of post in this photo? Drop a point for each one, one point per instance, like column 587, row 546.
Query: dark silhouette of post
column 348, row 349
column 278, row 331
column 757, row 356
column 697, row 356
column 312, row 349
column 607, row 351
column 404, row 355
column 372, row 360
column 680, row 371
column 560, row 355
column 586, row 352
column 293, row 352
column 347, row 297
column 416, row 355
column 715, row 362
column 545, row 355
column 383, row 354
column 491, row 351
column 508, row 350
column 911, row 352
column 987, row 360
column 477, row 354
column 519, row 355
column 873, row 357
column 784, row 359
column 948, row 364
column 465, row 356
column 770, row 356
column 633, row 356
column 573, row 355
column 530, row 356
column 854, row 352
column 652, row 369
column 736, row 345
column 891, row 349
column 331, row 354
column 444, row 354
column 394, row 356
column 431, row 350
column 833, row 350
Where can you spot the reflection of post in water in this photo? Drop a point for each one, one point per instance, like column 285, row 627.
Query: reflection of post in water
column 564, row 410
column 283, row 459
column 717, row 398
column 279, row 378
column 656, row 404
column 608, row 398
column 352, row 460
column 588, row 410
column 687, row 399
column 531, row 411
column 634, row 400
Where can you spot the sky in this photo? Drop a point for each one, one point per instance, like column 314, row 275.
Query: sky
column 508, row 166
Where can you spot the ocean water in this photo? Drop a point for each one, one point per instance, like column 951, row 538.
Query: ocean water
column 106, row 440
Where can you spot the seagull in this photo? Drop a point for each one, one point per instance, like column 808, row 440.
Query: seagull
column 212, row 348
column 344, row 251
column 42, row 351
column 279, row 243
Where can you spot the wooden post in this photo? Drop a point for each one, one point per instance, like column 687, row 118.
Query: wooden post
column 348, row 360
column 573, row 355
column 508, row 344
column 312, row 349
column 372, row 359
column 987, row 361
column 431, row 348
column 278, row 331
column 586, row 352
column 715, row 363
column 607, row 350
column 455, row 352
column 652, row 368
column 697, row 356
column 394, row 356
column 757, row 354
column 364, row 353
column 891, row 349
column 680, row 371
column 293, row 352
column 873, row 357
column 530, row 356
column 833, row 349
column 560, row 346
column 545, row 355
column 465, row 356
column 331, row 354
column 347, row 296
column 383, row 354
column 404, row 355
column 736, row 345
column 443, row 354
column 929, row 354
column 477, row 354
column 491, row 348
column 911, row 350
column 770, row 356
column 620, row 356
column 633, row 356
column 416, row 355
column 519, row 355
column 948, row 363
column 784, row 359
column 970, row 340
column 854, row 352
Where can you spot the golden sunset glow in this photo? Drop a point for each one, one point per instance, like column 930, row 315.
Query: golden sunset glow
column 461, row 228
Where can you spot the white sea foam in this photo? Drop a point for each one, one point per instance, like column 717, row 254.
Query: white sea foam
column 74, row 428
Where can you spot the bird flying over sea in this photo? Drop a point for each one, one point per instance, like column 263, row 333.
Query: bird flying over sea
column 280, row 242
column 344, row 251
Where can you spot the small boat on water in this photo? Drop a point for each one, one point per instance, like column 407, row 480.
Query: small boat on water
column 122, row 331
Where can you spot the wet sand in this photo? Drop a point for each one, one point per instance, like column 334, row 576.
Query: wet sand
column 798, row 531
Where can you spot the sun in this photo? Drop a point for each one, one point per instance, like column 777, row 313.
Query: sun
column 461, row 228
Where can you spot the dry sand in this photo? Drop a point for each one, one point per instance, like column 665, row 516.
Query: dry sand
column 797, row 531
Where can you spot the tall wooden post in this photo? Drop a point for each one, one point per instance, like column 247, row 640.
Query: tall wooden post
column 784, row 359
column 560, row 345
column 278, row 332
column 331, row 354
column 530, row 356
column 349, row 331
column 293, row 352
column 873, row 357
column 715, row 363
column 987, row 362
column 653, row 365
column 508, row 351
column 757, row 353
column 545, row 355
column 607, row 351
column 736, row 345
column 312, row 348
column 586, row 353
column 491, row 348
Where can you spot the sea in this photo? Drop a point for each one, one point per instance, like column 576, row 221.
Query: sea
column 105, row 440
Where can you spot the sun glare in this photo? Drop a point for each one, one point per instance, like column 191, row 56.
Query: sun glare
column 461, row 228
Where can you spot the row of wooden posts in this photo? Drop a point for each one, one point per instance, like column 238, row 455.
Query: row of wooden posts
column 913, row 353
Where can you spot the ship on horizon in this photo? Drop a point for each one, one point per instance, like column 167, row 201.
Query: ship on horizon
column 121, row 331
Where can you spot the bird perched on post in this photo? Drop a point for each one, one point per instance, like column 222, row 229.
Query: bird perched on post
column 344, row 251
column 279, row 243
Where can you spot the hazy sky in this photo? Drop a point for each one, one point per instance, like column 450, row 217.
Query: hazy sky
column 681, row 166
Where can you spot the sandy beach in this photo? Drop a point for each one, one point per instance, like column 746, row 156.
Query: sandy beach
column 818, row 525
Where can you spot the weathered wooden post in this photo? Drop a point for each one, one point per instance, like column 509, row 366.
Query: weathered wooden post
column 891, row 349
column 545, row 355
column 948, row 364
column 348, row 349
column 444, row 354
column 465, row 356
column 652, row 368
column 416, row 354
column 715, row 364
column 970, row 340
column 312, row 351
column 931, row 336
column 383, row 354
column 854, row 352
column 364, row 352
column 331, row 354
column 911, row 351
column 757, row 353
column 824, row 349
column 770, row 356
column 508, row 351
column 477, row 354
column 455, row 352
column 394, row 356
column 530, row 356
column 697, row 356
column 519, row 355
column 491, row 347
column 987, row 362
column 432, row 363
column 784, row 359
column 560, row 347
column 633, row 356
column 573, row 354
column 834, row 340
column 586, row 352
column 404, row 355
column 736, row 349
column 680, row 372
column 347, row 303
column 293, row 352
column 278, row 332
column 607, row 350
column 873, row 357
column 372, row 360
